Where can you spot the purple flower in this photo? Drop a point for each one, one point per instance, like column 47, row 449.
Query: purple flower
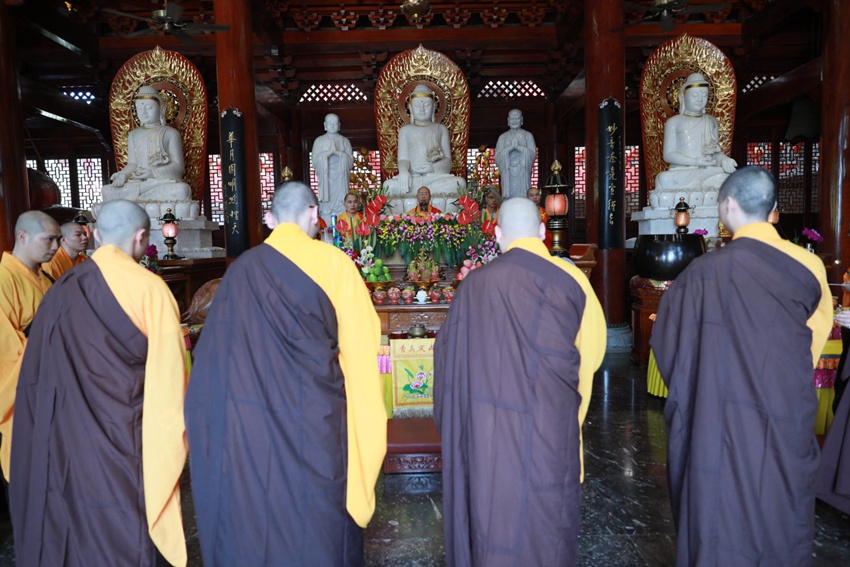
column 151, row 251
column 701, row 231
column 812, row 235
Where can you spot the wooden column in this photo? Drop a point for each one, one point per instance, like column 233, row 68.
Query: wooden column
column 13, row 170
column 606, row 78
column 834, row 210
column 235, row 74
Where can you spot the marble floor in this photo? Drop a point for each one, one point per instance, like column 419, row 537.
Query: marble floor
column 626, row 520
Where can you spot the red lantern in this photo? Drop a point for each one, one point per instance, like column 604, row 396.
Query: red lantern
column 557, row 205
column 169, row 230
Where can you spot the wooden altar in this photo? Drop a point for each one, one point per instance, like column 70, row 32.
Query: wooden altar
column 396, row 319
column 185, row 277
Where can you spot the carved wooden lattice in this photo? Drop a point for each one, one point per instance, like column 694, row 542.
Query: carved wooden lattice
column 511, row 89
column 334, row 93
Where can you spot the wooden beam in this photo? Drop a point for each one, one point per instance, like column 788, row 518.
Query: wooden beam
column 53, row 104
column 781, row 90
column 61, row 30
column 653, row 35
column 775, row 15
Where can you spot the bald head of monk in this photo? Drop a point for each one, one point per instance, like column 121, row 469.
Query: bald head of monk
column 125, row 225
column 294, row 202
column 36, row 238
column 75, row 239
column 518, row 218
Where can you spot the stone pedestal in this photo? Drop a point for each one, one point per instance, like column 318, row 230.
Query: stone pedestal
column 194, row 239
column 662, row 221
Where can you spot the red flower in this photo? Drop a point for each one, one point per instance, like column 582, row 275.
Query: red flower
column 373, row 218
column 363, row 229
column 342, row 226
column 378, row 202
column 464, row 217
column 469, row 204
column 489, row 227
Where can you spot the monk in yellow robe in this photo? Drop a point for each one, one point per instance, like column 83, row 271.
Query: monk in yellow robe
column 100, row 442
column 22, row 286
column 351, row 216
column 72, row 245
column 423, row 196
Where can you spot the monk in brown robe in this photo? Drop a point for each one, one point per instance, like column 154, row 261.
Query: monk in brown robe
column 736, row 340
column 100, row 443
column 284, row 413
column 510, row 423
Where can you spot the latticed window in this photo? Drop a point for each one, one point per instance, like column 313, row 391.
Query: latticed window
column 511, row 89
column 632, row 192
column 89, row 180
column 216, row 212
column 334, row 93
column 82, row 95
column 791, row 180
column 59, row 171
column 815, row 176
column 472, row 158
column 580, row 205
column 267, row 180
column 756, row 82
column 759, row 154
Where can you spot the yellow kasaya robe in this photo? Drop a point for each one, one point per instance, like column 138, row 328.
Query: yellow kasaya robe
column 488, row 216
column 21, row 291
column 351, row 222
column 416, row 212
column 61, row 263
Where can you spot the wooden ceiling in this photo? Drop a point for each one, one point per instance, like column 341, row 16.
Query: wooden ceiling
column 79, row 45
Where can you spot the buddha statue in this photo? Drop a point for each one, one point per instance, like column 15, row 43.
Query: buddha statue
column 332, row 160
column 154, row 170
column 424, row 152
column 692, row 148
column 515, row 153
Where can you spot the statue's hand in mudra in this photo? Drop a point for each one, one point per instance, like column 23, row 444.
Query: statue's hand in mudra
column 118, row 179
column 142, row 173
column 423, row 168
column 728, row 164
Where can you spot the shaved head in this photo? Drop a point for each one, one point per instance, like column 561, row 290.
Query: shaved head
column 33, row 222
column 518, row 218
column 118, row 220
column 291, row 200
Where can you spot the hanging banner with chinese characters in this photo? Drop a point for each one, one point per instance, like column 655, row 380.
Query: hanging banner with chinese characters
column 234, row 182
column 611, row 175
column 413, row 376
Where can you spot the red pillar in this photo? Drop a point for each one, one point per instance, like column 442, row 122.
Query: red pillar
column 235, row 70
column 605, row 71
column 834, row 210
column 13, row 169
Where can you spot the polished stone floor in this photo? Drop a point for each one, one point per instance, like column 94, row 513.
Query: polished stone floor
column 626, row 520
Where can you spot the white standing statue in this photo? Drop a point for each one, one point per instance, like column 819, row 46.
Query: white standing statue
column 332, row 160
column 515, row 153
column 692, row 148
column 424, row 151
column 154, row 170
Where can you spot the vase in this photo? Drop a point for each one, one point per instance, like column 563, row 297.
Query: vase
column 664, row 256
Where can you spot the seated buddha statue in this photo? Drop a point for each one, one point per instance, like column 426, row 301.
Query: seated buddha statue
column 154, row 170
column 692, row 144
column 424, row 152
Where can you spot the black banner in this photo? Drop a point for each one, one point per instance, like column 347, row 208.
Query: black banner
column 611, row 175
column 234, row 182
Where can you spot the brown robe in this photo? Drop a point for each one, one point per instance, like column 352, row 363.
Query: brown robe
column 732, row 343
column 833, row 484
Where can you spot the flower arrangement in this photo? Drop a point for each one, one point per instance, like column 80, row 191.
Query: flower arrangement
column 148, row 261
column 809, row 234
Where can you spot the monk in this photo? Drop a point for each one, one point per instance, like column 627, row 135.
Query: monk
column 284, row 413
column 423, row 198
column 510, row 424
column 742, row 454
column 351, row 216
column 99, row 417
column 72, row 247
column 22, row 287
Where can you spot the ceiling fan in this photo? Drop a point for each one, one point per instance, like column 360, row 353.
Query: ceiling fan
column 665, row 10
column 168, row 20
